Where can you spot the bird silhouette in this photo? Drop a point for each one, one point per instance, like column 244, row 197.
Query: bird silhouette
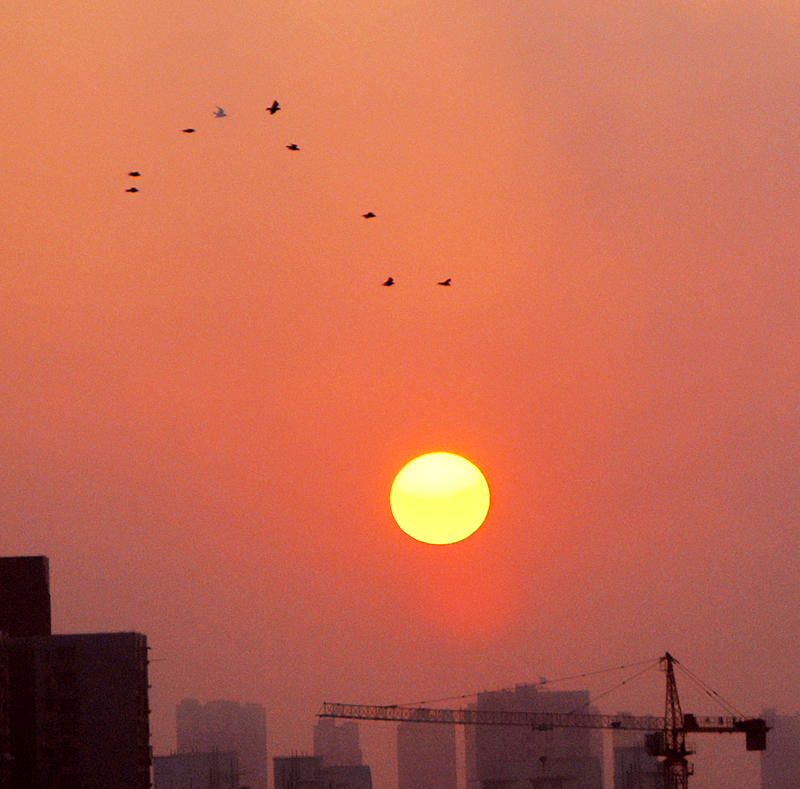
column 389, row 282
column 293, row 147
column 134, row 173
column 446, row 282
column 187, row 131
column 274, row 107
column 368, row 215
column 132, row 189
column 220, row 113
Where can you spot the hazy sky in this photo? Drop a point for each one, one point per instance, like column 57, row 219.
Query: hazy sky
column 206, row 393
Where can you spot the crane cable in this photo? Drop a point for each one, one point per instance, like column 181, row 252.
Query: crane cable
column 542, row 682
column 599, row 671
column 710, row 692
column 648, row 665
column 652, row 664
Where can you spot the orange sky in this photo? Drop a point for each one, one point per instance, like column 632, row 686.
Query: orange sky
column 206, row 393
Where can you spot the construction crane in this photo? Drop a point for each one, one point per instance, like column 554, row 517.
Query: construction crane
column 665, row 737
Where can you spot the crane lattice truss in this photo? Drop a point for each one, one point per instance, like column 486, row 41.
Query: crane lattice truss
column 541, row 721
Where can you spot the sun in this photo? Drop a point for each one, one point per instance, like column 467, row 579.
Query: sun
column 439, row 498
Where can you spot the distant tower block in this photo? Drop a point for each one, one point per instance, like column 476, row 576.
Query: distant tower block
column 780, row 762
column 634, row 767
column 25, row 596
column 426, row 756
column 337, row 746
column 514, row 757
column 227, row 726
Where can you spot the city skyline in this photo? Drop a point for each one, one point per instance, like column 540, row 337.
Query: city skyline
column 64, row 697
column 207, row 392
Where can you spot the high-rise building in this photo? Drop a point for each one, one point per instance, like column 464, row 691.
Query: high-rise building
column 337, row 745
column 6, row 759
column 780, row 762
column 227, row 726
column 79, row 711
column 511, row 757
column 196, row 770
column 24, row 596
column 426, row 756
column 73, row 708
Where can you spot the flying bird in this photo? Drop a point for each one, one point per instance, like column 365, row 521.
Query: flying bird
column 389, row 282
column 187, row 131
column 220, row 113
column 446, row 282
column 132, row 189
column 134, row 173
column 368, row 215
column 274, row 107
column 293, row 147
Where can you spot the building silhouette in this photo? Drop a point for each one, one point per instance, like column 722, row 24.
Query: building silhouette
column 5, row 716
column 337, row 745
column 634, row 767
column 79, row 713
column 25, row 596
column 511, row 757
column 426, row 756
column 226, row 726
column 196, row 770
column 309, row 772
column 780, row 763
column 298, row 772
column 347, row 776
column 75, row 707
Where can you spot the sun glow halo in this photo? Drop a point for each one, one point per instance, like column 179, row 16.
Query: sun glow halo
column 439, row 498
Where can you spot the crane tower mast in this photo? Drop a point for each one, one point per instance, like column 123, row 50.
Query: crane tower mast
column 672, row 745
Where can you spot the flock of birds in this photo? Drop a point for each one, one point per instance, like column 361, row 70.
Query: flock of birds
column 272, row 109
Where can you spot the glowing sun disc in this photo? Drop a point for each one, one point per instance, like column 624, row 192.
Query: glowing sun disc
column 439, row 498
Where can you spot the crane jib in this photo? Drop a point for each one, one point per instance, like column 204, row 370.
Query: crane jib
column 754, row 728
